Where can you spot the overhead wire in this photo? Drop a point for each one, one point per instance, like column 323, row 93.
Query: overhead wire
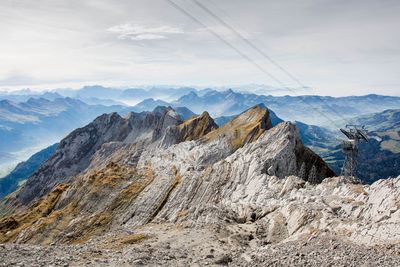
column 226, row 42
column 261, row 52
column 247, row 41
column 247, row 58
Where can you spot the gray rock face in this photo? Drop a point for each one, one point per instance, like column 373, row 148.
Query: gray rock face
column 212, row 176
column 76, row 150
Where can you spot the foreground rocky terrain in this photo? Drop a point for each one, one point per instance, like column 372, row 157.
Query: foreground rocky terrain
column 153, row 189
column 351, row 242
column 171, row 246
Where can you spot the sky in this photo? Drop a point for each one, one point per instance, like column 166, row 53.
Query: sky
column 333, row 47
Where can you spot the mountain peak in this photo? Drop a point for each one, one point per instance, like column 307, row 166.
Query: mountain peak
column 191, row 96
column 192, row 93
column 245, row 128
column 205, row 115
column 229, row 91
column 159, row 110
column 196, row 127
column 7, row 104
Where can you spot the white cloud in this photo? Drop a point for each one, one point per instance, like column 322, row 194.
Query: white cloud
column 142, row 32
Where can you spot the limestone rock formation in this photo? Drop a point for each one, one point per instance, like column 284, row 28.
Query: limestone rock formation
column 131, row 176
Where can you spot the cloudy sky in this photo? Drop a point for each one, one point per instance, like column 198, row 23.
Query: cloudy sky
column 336, row 47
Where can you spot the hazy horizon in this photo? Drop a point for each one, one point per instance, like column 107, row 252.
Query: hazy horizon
column 261, row 89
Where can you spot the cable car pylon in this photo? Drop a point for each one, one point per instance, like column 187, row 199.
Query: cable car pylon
column 354, row 134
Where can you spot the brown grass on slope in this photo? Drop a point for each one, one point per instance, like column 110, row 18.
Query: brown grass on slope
column 245, row 128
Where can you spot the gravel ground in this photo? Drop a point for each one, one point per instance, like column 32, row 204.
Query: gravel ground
column 167, row 246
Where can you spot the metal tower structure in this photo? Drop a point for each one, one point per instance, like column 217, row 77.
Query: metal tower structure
column 354, row 134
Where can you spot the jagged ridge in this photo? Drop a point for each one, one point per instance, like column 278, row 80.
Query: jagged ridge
column 77, row 149
column 157, row 181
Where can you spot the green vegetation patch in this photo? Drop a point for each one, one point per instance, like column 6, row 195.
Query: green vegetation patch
column 21, row 183
column 391, row 145
column 392, row 134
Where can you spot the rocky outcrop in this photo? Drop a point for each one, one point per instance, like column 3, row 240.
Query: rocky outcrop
column 192, row 129
column 233, row 183
column 310, row 166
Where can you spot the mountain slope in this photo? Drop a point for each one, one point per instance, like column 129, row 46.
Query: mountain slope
column 76, row 150
column 244, row 128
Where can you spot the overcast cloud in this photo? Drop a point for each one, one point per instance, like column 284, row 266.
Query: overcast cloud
column 337, row 47
column 139, row 32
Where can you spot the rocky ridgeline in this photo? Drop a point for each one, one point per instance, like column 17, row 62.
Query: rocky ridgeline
column 77, row 149
column 128, row 174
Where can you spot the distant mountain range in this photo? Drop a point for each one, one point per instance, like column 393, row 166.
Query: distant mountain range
column 28, row 124
column 98, row 94
column 316, row 110
column 307, row 109
column 310, row 109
